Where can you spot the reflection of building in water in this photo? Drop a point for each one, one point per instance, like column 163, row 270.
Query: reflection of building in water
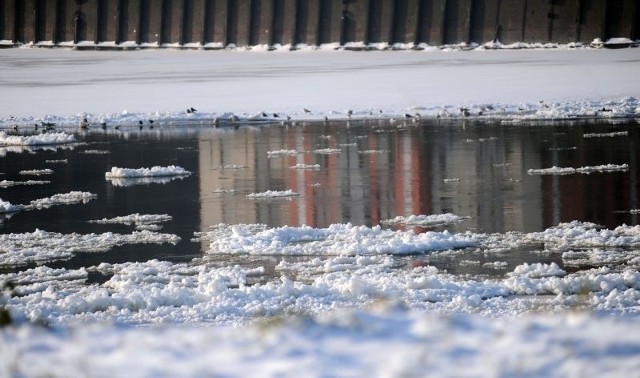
column 479, row 171
column 610, row 195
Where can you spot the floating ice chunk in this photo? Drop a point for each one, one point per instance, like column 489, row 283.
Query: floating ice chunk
column 36, row 172
column 305, row 166
column 140, row 221
column 96, row 152
column 8, row 183
column 35, row 140
column 337, row 239
column 156, row 171
column 584, row 170
column 61, row 199
column 274, row 194
column 606, row 135
column 132, row 181
column 41, row 246
column 371, row 152
column 233, row 166
column 327, row 151
column 538, row 270
column 277, row 153
column 425, row 220
column 7, row 207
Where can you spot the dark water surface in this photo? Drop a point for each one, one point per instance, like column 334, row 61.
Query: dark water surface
column 472, row 169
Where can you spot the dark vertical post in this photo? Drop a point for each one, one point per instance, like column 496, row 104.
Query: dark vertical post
column 564, row 22
column 284, row 22
column 483, row 20
column 197, row 13
column 90, row 9
column 307, row 21
column 591, row 19
column 358, row 11
column 220, row 26
column 537, row 18
column 64, row 21
column 330, row 22
column 239, row 22
column 262, row 13
column 512, row 20
column 457, row 20
column 431, row 21
column 26, row 21
column 153, row 22
column 7, row 20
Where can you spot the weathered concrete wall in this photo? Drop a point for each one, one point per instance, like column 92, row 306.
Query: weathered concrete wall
column 218, row 23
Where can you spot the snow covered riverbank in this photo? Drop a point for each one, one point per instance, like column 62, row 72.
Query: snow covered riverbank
column 116, row 88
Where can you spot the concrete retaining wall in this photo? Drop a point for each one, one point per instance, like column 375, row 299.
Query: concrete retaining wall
column 219, row 23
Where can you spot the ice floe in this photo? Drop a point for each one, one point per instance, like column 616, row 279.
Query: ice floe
column 10, row 183
column 8, row 207
column 140, row 221
column 156, row 171
column 584, row 170
column 337, row 239
column 36, row 140
column 283, row 152
column 70, row 198
column 36, row 172
column 274, row 194
column 305, row 166
column 41, row 246
column 425, row 220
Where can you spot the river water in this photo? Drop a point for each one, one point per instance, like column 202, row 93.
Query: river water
column 360, row 172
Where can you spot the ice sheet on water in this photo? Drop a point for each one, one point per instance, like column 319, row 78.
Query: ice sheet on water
column 583, row 170
column 425, row 220
column 283, row 152
column 274, row 194
column 70, row 198
column 36, row 172
column 42, row 246
column 10, row 183
column 8, row 207
column 35, row 140
column 138, row 220
column 133, row 181
column 305, row 166
column 337, row 239
column 156, row 171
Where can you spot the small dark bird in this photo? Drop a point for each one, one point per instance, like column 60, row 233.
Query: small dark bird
column 151, row 121
column 191, row 110
column 84, row 124
column 276, row 115
column 465, row 111
column 103, row 125
column 117, row 127
column 408, row 116
column 15, row 127
column 265, row 115
column 306, row 110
